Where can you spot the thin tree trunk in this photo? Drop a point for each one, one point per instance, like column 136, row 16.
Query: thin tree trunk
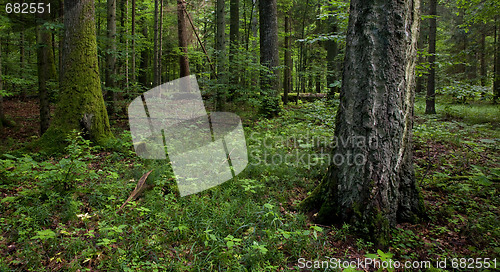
column 46, row 72
column 430, row 101
column 22, row 62
column 234, row 37
column 482, row 59
column 111, row 56
column 332, row 50
column 370, row 182
column 269, row 56
column 155, row 49
column 496, row 74
column 287, row 79
column 132, row 61
column 145, row 59
column 2, row 114
column 221, row 55
column 160, row 42
column 182, row 30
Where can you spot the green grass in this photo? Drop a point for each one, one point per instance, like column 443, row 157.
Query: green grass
column 477, row 112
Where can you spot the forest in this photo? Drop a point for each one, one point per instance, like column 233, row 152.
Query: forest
column 249, row 135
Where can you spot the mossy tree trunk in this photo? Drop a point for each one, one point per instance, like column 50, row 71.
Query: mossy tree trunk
column 81, row 104
column 370, row 182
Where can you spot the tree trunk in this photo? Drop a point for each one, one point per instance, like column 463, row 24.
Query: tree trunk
column 183, row 33
column 145, row 59
column 46, row 72
column 2, row 114
column 287, row 79
column 332, row 51
column 482, row 59
column 234, row 37
column 430, row 101
column 496, row 74
column 220, row 46
column 111, row 56
column 132, row 61
column 22, row 62
column 160, row 43
column 269, row 56
column 234, row 27
column 81, row 104
column 155, row 49
column 370, row 182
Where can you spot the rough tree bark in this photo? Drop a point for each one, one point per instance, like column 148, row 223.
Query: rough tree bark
column 269, row 57
column 110, row 72
column 370, row 182
column 430, row 101
column 81, row 104
column 46, row 72
column 183, row 33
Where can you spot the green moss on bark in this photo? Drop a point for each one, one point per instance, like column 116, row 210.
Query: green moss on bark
column 81, row 96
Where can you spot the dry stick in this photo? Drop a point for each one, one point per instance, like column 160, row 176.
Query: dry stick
column 139, row 188
column 202, row 46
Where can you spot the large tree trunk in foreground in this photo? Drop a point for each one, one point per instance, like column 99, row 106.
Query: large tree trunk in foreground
column 269, row 56
column 371, row 183
column 81, row 104
column 430, row 104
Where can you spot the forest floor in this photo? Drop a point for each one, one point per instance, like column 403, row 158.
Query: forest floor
column 60, row 212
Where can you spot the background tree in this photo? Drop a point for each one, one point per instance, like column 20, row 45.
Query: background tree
column 430, row 104
column 2, row 114
column 376, row 187
column 183, row 33
column 110, row 71
column 220, row 48
column 287, row 77
column 269, row 56
column 156, row 52
column 81, row 104
column 46, row 73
